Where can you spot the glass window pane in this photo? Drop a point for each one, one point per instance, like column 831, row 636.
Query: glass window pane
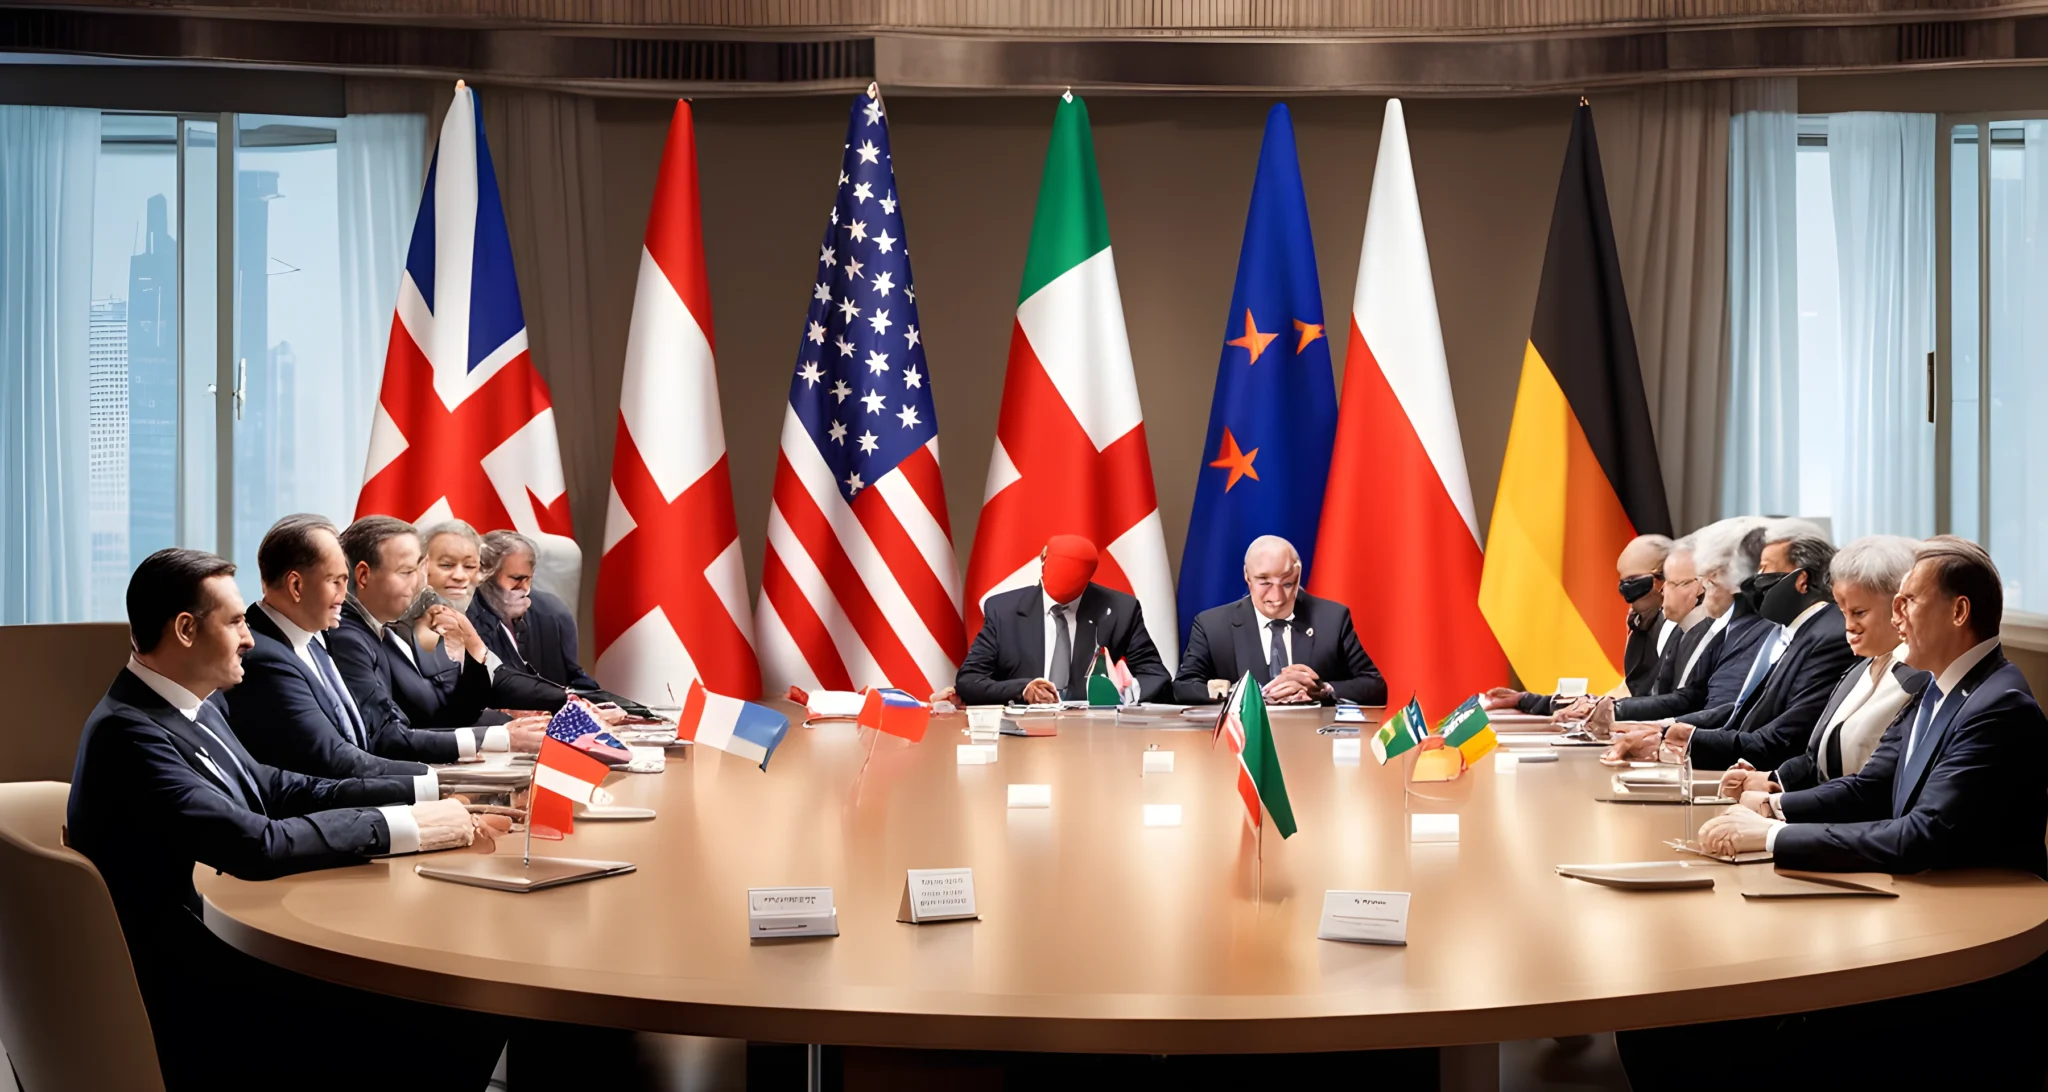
column 202, row 362
column 1963, row 327
column 2017, row 519
column 1820, row 337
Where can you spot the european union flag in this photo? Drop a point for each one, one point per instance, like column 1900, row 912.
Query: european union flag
column 1274, row 416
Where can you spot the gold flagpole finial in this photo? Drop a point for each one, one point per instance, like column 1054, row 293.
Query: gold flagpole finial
column 1583, row 102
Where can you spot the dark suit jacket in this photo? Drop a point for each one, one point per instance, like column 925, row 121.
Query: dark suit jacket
column 284, row 718
column 541, row 662
column 1715, row 680
column 150, row 796
column 1645, row 667
column 1975, row 794
column 1009, row 651
column 1774, row 724
column 1803, row 770
column 389, row 687
column 1227, row 641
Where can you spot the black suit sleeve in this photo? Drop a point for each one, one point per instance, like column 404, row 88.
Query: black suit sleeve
column 1797, row 772
column 1541, row 705
column 1777, row 739
column 514, row 688
column 1197, row 667
column 391, row 734
column 976, row 681
column 275, row 715
column 1142, row 657
column 573, row 672
column 1365, row 686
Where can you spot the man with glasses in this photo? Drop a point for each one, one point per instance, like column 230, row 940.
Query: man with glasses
column 1298, row 648
column 1640, row 567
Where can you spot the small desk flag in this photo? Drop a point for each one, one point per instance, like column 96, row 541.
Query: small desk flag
column 896, row 713
column 562, row 778
column 1258, row 762
column 736, row 727
column 1400, row 732
column 1469, row 731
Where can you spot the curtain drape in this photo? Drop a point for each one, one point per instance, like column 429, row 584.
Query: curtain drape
column 1882, row 167
column 380, row 162
column 1760, row 470
column 48, row 157
column 1665, row 154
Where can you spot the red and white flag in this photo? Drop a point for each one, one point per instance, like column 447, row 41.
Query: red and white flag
column 672, row 587
column 1398, row 499
column 464, row 425
column 563, row 777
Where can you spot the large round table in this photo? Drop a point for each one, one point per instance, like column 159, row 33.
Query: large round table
column 1098, row 933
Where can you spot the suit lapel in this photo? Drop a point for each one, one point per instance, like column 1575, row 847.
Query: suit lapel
column 191, row 741
column 1304, row 638
column 1031, row 615
column 1928, row 746
column 259, row 621
column 1247, row 642
column 1823, row 728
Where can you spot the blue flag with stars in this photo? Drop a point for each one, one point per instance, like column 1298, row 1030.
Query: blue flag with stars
column 861, row 388
column 1274, row 416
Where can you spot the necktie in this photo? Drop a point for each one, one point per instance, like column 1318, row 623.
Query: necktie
column 1277, row 662
column 1759, row 669
column 1929, row 698
column 244, row 786
column 330, row 679
column 1062, row 651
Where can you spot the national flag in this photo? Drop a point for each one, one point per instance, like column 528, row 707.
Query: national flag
column 1400, row 733
column 575, row 725
column 1399, row 499
column 562, row 778
column 1258, row 762
column 1102, row 689
column 889, row 710
column 1469, row 730
column 464, row 426
column 828, row 704
column 1580, row 477
column 1274, row 412
column 672, row 587
column 1070, row 453
column 731, row 725
column 859, row 585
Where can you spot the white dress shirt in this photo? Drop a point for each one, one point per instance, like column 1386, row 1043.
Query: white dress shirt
column 1266, row 634
column 1720, row 623
column 1072, row 616
column 496, row 737
column 405, row 830
column 426, row 786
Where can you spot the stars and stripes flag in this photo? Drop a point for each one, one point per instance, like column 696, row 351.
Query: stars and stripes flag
column 672, row 589
column 575, row 725
column 858, row 584
column 464, row 425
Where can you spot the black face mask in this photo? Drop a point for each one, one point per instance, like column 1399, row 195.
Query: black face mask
column 1752, row 590
column 1782, row 600
column 1635, row 587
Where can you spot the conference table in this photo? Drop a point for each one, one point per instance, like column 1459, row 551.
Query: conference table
column 1100, row 933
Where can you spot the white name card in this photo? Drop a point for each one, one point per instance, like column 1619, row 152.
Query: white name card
column 1432, row 826
column 1344, row 750
column 1157, row 762
column 984, row 723
column 975, row 754
column 1162, row 815
column 1571, row 688
column 791, row 912
column 1031, row 796
column 1365, row 917
column 937, row 894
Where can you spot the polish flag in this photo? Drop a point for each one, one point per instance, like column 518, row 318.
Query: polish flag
column 562, row 778
column 1399, row 541
column 672, row 588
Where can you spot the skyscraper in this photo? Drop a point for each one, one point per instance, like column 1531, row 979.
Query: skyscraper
column 107, row 437
column 152, row 379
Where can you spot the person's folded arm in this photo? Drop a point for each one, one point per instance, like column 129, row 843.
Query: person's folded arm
column 1142, row 657
column 1191, row 682
column 976, row 681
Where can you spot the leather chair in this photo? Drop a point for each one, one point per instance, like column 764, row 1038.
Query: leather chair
column 71, row 1016
column 62, row 671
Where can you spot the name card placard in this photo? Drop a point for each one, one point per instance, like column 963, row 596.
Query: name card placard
column 975, row 754
column 1365, row 917
column 1162, row 815
column 791, row 912
column 984, row 723
column 937, row 894
column 1031, row 796
column 1157, row 762
column 1344, row 750
column 1571, row 688
column 1429, row 826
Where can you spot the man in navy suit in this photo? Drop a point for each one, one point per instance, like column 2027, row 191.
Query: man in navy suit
column 1297, row 648
column 162, row 782
column 1037, row 644
column 532, row 632
column 292, row 709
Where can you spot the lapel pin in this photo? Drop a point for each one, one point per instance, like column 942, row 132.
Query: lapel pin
column 1310, row 632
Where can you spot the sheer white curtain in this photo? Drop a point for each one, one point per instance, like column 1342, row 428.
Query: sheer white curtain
column 48, row 156
column 1882, row 171
column 1760, row 471
column 380, row 166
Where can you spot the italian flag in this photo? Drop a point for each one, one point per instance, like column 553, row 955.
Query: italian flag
column 1258, row 764
column 1070, row 453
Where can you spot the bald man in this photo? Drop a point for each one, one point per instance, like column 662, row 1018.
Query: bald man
column 1298, row 648
column 1037, row 644
column 1640, row 567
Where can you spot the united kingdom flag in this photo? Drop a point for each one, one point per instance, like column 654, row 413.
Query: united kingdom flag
column 464, row 425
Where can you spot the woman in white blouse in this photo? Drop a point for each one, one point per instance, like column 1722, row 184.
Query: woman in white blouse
column 1866, row 575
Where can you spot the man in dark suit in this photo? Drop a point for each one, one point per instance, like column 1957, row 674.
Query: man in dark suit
column 162, row 782
column 380, row 662
column 531, row 631
column 1640, row 572
column 1037, row 644
column 1297, row 648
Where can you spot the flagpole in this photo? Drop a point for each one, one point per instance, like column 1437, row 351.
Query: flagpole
column 873, row 739
column 526, row 855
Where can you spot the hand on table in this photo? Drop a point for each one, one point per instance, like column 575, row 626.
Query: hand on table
column 1040, row 692
column 1295, row 683
column 1758, row 802
column 1632, row 745
column 1675, row 737
column 1600, row 719
column 525, row 734
column 1737, row 830
column 1744, row 779
column 1572, row 711
column 445, row 824
column 1500, row 697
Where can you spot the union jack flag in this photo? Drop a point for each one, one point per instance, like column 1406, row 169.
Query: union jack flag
column 464, row 425
column 859, row 586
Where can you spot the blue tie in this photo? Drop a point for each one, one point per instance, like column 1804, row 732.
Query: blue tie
column 1930, row 698
column 330, row 680
column 1759, row 669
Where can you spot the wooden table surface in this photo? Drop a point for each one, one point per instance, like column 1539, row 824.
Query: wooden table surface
column 1100, row 934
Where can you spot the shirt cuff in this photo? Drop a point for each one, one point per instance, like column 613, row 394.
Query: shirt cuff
column 1777, row 803
column 1771, row 835
column 465, row 743
column 491, row 665
column 497, row 738
column 405, row 830
column 426, row 788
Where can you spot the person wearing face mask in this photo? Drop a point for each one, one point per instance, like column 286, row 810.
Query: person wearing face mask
column 1297, row 648
column 532, row 632
column 1037, row 643
column 1792, row 673
column 1640, row 567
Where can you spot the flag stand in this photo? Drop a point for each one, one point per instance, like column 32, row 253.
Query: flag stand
column 873, row 739
column 526, row 855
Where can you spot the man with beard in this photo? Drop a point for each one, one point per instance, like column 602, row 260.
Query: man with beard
column 532, row 632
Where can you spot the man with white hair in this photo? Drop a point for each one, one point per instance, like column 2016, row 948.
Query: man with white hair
column 532, row 632
column 1640, row 572
column 1297, row 648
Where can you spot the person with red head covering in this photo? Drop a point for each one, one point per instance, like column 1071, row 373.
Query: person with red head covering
column 1036, row 644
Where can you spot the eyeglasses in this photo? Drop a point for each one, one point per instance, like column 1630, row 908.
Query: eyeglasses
column 1683, row 583
column 1284, row 583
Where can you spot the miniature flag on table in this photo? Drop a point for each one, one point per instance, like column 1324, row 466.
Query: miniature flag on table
column 1469, row 731
column 576, row 726
column 736, row 727
column 828, row 704
column 1110, row 682
column 1258, row 763
column 562, row 778
column 895, row 712
column 1400, row 733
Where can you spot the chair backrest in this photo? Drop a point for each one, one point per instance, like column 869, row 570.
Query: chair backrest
column 71, row 1015
column 64, row 671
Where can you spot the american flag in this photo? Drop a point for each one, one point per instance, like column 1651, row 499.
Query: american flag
column 575, row 726
column 859, row 586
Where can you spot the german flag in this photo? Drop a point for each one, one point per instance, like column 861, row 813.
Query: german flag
column 1580, row 477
